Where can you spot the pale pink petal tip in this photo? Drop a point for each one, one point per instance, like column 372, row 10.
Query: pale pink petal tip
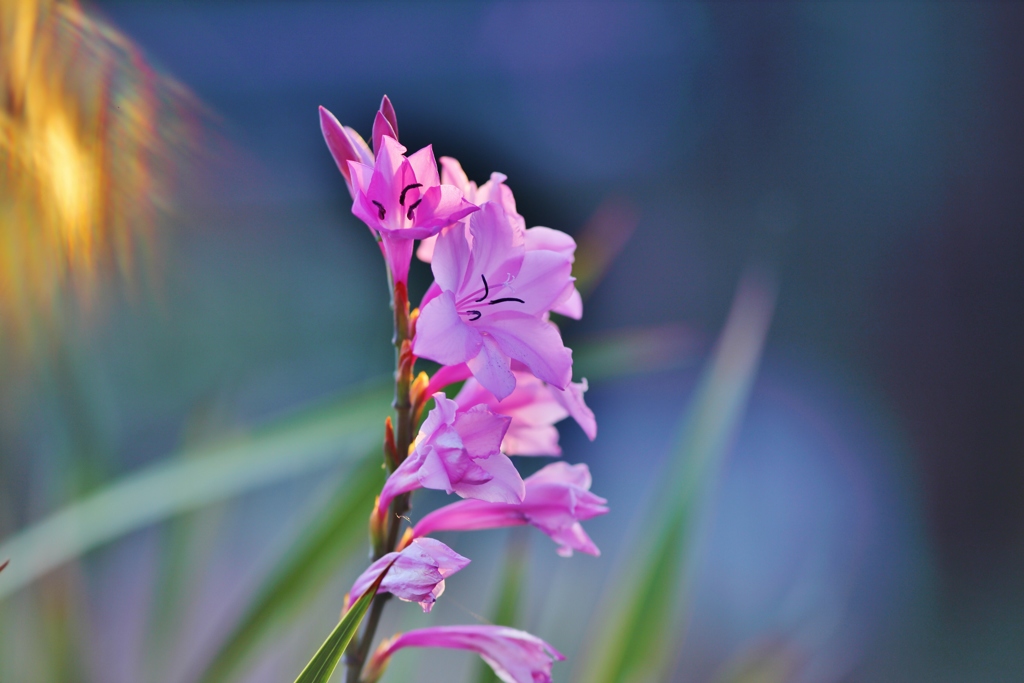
column 515, row 656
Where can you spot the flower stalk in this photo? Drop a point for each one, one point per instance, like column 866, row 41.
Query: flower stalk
column 486, row 321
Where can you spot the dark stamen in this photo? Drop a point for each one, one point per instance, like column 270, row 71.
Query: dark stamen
column 401, row 197
column 475, row 313
column 414, row 205
column 507, row 298
column 487, row 290
column 380, row 210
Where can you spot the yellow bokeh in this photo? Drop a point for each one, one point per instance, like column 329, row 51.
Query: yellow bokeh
column 85, row 125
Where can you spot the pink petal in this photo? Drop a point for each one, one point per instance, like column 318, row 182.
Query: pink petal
column 551, row 240
column 425, row 167
column 524, row 439
column 542, row 281
column 572, row 400
column 441, row 206
column 571, row 307
column 381, row 128
column 449, row 374
column 425, row 252
column 341, row 148
column 388, row 110
column 481, row 431
column 498, row 247
column 563, row 473
column 505, row 486
column 492, row 368
column 442, row 336
column 535, row 343
column 451, row 260
column 398, row 253
column 469, row 515
column 452, row 174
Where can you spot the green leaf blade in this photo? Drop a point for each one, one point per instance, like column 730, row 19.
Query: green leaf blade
column 325, row 661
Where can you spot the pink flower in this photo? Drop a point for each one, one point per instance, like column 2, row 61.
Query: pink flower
column 515, row 656
column 417, row 575
column 557, row 499
column 346, row 145
column 494, row 190
column 458, row 452
column 402, row 200
column 534, row 407
column 491, row 301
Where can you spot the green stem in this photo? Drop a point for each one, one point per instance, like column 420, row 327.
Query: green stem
column 356, row 654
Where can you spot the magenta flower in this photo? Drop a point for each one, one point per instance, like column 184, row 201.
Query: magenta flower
column 494, row 190
column 557, row 499
column 417, row 575
column 491, row 301
column 515, row 656
column 402, row 199
column 346, row 145
column 458, row 452
column 534, row 407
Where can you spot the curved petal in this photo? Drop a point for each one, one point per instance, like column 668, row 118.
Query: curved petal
column 452, row 174
column 504, row 486
column 571, row 307
column 425, row 167
column 552, row 240
column 381, row 128
column 535, row 440
column 442, row 336
column 341, row 148
column 542, row 281
column 481, row 431
column 492, row 368
column 498, row 247
column 535, row 343
column 440, row 206
column 572, row 400
column 388, row 110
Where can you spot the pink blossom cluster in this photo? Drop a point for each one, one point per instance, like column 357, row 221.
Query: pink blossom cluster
column 486, row 321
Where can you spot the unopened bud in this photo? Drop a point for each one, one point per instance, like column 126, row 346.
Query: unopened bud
column 378, row 529
column 413, row 317
column 390, row 450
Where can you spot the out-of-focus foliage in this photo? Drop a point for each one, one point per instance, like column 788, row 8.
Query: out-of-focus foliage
column 89, row 134
column 638, row 623
column 308, row 563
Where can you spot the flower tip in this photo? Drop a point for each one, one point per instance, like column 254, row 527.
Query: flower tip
column 381, row 128
column 388, row 110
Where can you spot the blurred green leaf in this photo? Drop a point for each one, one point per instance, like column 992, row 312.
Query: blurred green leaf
column 288, row 447
column 636, row 624
column 506, row 609
column 304, row 568
column 325, row 660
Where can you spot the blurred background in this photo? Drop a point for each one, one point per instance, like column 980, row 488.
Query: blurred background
column 801, row 244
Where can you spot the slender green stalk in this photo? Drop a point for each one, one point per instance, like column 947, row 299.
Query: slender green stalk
column 355, row 656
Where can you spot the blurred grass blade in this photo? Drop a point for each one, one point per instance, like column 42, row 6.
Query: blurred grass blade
column 601, row 239
column 632, row 637
column 313, row 559
column 635, row 350
column 506, row 608
column 326, row 659
column 284, row 448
